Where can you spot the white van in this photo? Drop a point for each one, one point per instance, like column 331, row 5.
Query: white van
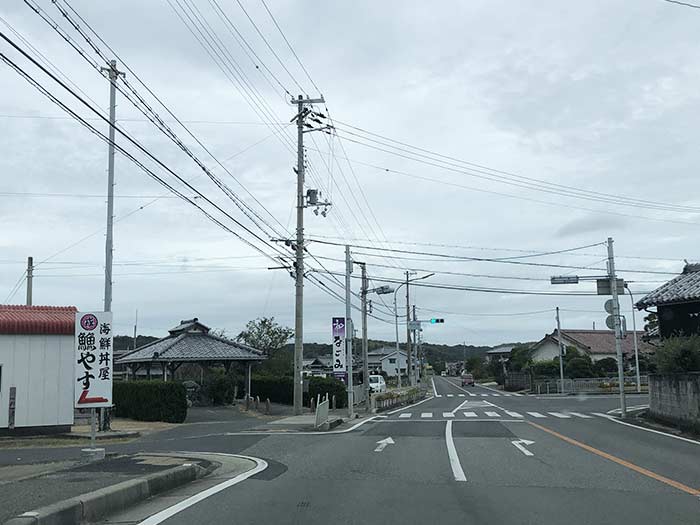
column 377, row 384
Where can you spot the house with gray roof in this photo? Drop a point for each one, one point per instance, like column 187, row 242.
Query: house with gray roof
column 677, row 303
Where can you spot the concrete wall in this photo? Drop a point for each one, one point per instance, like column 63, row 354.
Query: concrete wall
column 41, row 368
column 675, row 398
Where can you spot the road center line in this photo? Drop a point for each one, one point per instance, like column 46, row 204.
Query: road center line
column 457, row 471
column 640, row 470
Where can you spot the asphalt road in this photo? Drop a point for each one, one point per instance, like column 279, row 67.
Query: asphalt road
column 470, row 455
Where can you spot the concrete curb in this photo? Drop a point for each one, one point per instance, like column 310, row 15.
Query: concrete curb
column 93, row 506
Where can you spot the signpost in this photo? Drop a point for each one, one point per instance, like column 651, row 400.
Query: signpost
column 93, row 363
column 339, row 354
column 604, row 288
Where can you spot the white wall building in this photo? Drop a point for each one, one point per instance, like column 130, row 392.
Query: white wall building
column 36, row 368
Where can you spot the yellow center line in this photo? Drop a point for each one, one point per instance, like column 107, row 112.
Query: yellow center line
column 641, row 470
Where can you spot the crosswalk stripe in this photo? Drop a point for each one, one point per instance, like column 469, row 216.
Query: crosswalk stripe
column 450, row 395
column 448, row 414
column 536, row 414
column 405, row 414
column 507, row 395
column 470, row 414
column 519, row 395
column 559, row 415
column 492, row 414
column 471, row 395
column 513, row 414
column 495, row 395
column 484, row 395
column 584, row 416
column 426, row 414
column 460, row 395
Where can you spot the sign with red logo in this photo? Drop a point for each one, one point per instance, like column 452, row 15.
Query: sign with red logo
column 93, row 359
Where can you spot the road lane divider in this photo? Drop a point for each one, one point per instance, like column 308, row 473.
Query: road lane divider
column 636, row 468
column 457, row 471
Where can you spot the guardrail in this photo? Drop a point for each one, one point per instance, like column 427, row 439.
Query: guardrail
column 590, row 385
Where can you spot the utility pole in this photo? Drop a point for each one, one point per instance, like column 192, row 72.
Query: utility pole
column 349, row 330
column 136, row 322
column 561, row 354
column 30, row 277
column 365, row 363
column 618, row 331
column 636, row 346
column 417, row 342
column 109, row 244
column 396, row 324
column 411, row 381
column 299, row 252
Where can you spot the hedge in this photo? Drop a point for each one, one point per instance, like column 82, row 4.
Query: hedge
column 331, row 386
column 280, row 389
column 150, row 400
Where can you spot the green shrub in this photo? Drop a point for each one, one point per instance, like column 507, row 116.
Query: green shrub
column 278, row 389
column 605, row 366
column 331, row 386
column 578, row 367
column 679, row 355
column 150, row 400
column 545, row 368
column 219, row 389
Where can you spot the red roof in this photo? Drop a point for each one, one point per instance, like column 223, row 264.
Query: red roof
column 18, row 319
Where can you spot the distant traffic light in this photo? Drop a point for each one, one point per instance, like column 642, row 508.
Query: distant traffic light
column 434, row 321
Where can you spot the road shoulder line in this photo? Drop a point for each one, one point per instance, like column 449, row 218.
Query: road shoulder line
column 457, row 471
column 615, row 420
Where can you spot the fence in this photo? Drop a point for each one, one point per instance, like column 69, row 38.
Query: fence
column 675, row 398
column 589, row 385
column 322, row 413
column 358, row 393
column 380, row 402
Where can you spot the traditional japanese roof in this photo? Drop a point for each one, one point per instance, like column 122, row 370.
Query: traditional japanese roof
column 501, row 349
column 598, row 341
column 40, row 320
column 191, row 341
column 681, row 289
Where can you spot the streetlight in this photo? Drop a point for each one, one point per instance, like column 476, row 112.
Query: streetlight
column 396, row 319
column 380, row 290
column 636, row 348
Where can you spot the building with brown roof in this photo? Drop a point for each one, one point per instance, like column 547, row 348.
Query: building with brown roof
column 36, row 368
column 598, row 344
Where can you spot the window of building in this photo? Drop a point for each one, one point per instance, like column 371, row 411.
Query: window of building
column 392, row 360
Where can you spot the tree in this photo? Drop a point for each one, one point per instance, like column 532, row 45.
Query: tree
column 679, row 355
column 265, row 334
column 519, row 358
column 578, row 367
column 606, row 366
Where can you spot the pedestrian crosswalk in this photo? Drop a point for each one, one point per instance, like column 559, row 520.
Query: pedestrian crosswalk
column 480, row 394
column 498, row 413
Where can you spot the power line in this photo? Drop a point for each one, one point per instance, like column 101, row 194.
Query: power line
column 469, row 314
column 16, row 287
column 290, row 47
column 686, row 4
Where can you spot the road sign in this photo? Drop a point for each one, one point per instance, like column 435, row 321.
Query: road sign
column 610, row 323
column 603, row 286
column 609, row 306
column 339, row 353
column 564, row 279
column 93, row 359
column 414, row 325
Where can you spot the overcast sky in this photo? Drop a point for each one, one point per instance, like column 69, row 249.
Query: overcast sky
column 598, row 95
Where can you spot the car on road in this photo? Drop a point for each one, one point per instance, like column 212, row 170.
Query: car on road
column 377, row 384
column 467, row 379
column 443, row 373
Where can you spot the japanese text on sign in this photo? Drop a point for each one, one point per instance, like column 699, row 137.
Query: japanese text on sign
column 339, row 355
column 93, row 359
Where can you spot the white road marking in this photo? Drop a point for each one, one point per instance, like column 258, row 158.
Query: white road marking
column 382, row 443
column 484, row 395
column 493, row 414
column 470, row 414
column 519, row 395
column 496, row 395
column 409, row 406
column 614, row 420
column 457, row 471
column 470, row 394
column 507, row 395
column 513, row 414
column 432, row 380
column 520, row 445
column 536, row 414
column 450, row 395
column 405, row 415
column 448, row 414
column 163, row 515
column 578, row 414
column 559, row 415
column 426, row 414
column 460, row 395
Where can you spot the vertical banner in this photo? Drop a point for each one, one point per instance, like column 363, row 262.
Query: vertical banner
column 93, row 359
column 339, row 357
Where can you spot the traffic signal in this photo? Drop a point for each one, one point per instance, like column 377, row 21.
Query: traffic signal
column 434, row 321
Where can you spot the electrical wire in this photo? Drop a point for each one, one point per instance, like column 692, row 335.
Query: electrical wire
column 16, row 287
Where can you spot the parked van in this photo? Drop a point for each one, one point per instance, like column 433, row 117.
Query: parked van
column 377, row 384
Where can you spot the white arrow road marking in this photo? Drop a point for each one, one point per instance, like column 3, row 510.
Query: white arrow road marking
column 382, row 443
column 520, row 444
